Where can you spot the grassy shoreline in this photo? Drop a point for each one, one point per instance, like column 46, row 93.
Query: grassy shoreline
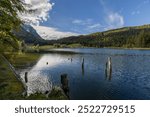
column 50, row 48
column 10, row 86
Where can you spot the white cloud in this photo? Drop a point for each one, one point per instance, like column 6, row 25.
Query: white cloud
column 50, row 33
column 95, row 26
column 38, row 11
column 114, row 20
column 82, row 22
column 87, row 25
column 27, row 1
column 77, row 21
column 135, row 12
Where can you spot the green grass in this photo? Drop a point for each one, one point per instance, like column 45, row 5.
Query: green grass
column 32, row 48
column 19, row 60
column 10, row 86
column 76, row 45
column 45, row 47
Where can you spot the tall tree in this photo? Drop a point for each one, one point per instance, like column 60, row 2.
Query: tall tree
column 9, row 20
column 8, row 14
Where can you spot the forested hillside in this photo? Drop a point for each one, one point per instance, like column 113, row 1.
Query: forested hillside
column 138, row 36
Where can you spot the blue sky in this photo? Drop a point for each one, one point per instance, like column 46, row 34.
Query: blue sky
column 88, row 16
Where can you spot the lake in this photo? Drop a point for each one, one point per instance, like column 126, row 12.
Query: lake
column 130, row 78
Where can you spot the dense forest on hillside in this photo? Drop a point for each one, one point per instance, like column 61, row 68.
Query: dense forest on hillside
column 138, row 36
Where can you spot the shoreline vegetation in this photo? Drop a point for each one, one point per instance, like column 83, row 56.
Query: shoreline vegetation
column 53, row 49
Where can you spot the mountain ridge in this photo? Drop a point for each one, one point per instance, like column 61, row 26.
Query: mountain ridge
column 28, row 34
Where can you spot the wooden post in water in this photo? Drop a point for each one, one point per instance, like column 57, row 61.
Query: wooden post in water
column 83, row 66
column 26, row 77
column 108, row 70
column 83, row 63
column 71, row 59
column 64, row 83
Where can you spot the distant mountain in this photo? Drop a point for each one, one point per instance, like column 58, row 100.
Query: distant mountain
column 137, row 36
column 28, row 34
column 49, row 33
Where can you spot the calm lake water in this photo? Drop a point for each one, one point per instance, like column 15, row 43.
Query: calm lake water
column 130, row 73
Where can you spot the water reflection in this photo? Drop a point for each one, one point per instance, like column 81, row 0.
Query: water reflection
column 36, row 83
